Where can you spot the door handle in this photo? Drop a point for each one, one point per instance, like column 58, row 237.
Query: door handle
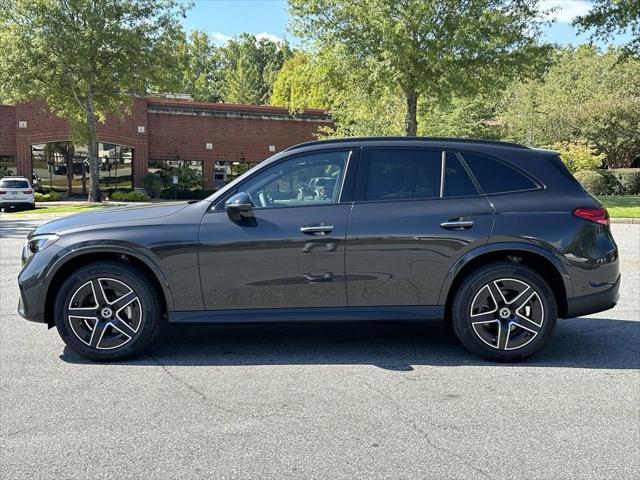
column 457, row 224
column 321, row 229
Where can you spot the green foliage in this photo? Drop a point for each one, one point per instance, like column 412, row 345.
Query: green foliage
column 250, row 68
column 85, row 58
column 153, row 184
column 422, row 48
column 120, row 196
column 300, row 84
column 578, row 157
column 608, row 18
column 593, row 182
column 622, row 181
column 470, row 117
column 188, row 179
column 50, row 196
column 584, row 96
column 202, row 74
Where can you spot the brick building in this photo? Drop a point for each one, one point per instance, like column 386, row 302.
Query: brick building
column 156, row 132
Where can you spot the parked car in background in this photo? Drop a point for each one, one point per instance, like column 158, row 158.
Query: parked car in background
column 317, row 188
column 496, row 238
column 16, row 192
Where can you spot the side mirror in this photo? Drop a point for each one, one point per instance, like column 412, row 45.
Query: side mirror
column 239, row 204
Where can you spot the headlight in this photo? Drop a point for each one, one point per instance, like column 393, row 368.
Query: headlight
column 39, row 242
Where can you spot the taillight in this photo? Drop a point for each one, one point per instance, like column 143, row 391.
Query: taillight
column 2, row 192
column 593, row 214
column 28, row 192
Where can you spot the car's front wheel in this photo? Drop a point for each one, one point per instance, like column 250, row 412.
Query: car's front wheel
column 107, row 311
column 504, row 311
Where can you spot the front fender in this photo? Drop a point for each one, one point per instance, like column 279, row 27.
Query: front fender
column 118, row 247
column 502, row 247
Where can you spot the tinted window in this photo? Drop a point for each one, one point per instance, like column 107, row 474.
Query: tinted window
column 402, row 174
column 14, row 184
column 456, row 180
column 495, row 177
column 304, row 180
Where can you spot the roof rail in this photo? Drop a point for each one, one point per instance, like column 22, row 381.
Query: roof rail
column 437, row 139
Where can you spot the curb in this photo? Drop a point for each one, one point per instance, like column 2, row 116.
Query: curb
column 626, row 221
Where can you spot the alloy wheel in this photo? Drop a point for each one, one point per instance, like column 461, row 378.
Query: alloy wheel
column 105, row 313
column 507, row 314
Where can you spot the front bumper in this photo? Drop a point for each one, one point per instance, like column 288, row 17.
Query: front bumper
column 595, row 302
column 33, row 283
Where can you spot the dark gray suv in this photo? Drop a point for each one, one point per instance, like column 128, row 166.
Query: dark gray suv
column 495, row 238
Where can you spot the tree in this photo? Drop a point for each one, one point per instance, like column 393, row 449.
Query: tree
column 586, row 97
column 86, row 58
column 202, row 76
column 609, row 17
column 301, row 84
column 250, row 68
column 426, row 48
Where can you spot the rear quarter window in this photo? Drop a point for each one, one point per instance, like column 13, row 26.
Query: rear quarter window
column 497, row 177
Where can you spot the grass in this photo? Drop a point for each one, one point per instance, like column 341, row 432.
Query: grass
column 621, row 206
column 44, row 208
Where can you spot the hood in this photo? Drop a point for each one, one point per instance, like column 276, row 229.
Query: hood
column 110, row 215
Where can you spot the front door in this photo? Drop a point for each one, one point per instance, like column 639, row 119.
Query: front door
column 289, row 251
column 416, row 212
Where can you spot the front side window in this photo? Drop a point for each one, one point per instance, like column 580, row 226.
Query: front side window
column 495, row 176
column 400, row 174
column 312, row 179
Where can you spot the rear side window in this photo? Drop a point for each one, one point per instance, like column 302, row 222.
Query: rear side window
column 456, row 180
column 14, row 184
column 395, row 174
column 495, row 176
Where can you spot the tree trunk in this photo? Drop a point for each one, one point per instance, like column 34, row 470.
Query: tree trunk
column 94, row 170
column 411, row 116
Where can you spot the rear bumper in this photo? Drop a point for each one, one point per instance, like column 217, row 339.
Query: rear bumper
column 594, row 303
column 6, row 202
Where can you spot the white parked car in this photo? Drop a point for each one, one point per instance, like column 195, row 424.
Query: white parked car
column 16, row 191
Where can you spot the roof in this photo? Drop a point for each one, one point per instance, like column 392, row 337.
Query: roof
column 230, row 107
column 438, row 140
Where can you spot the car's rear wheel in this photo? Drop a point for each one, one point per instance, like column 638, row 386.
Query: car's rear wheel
column 107, row 311
column 504, row 311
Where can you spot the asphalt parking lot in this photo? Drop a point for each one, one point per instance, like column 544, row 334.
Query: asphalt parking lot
column 322, row 401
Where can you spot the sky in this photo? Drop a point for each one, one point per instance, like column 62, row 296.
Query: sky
column 225, row 19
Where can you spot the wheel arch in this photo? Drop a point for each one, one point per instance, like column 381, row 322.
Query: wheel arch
column 536, row 258
column 84, row 256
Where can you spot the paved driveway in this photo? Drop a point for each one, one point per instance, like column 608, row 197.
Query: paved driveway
column 330, row 401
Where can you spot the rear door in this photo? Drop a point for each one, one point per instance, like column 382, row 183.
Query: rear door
column 416, row 211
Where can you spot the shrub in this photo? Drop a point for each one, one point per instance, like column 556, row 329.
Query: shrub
column 153, row 184
column 50, row 196
column 121, row 196
column 578, row 157
column 188, row 178
column 628, row 179
column 593, row 182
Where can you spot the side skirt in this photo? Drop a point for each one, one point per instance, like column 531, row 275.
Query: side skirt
column 429, row 313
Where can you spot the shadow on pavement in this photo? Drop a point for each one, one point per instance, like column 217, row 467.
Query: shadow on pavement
column 10, row 228
column 578, row 343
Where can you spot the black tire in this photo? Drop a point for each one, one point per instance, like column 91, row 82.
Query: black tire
column 32, row 206
column 141, row 315
column 472, row 312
